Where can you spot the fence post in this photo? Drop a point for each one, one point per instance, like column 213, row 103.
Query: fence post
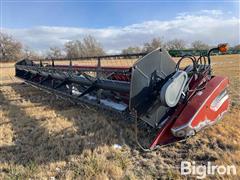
column 52, row 62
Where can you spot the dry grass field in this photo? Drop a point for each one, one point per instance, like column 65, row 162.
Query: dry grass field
column 44, row 137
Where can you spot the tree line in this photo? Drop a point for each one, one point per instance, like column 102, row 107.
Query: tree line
column 12, row 50
column 175, row 44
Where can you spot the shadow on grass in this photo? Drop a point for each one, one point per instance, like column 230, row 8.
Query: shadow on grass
column 34, row 143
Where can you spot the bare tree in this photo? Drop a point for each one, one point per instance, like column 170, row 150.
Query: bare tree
column 30, row 54
column 10, row 49
column 199, row 45
column 71, row 49
column 87, row 47
column 92, row 47
column 176, row 44
column 154, row 44
column 131, row 50
column 55, row 52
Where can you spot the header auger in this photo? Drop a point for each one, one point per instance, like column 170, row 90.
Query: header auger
column 172, row 101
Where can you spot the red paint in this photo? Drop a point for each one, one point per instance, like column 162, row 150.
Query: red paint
column 201, row 104
column 95, row 67
column 195, row 111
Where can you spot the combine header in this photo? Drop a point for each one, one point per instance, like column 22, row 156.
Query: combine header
column 172, row 102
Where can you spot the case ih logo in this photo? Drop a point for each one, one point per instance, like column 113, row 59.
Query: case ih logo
column 202, row 171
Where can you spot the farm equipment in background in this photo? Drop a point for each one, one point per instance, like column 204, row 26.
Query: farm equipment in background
column 171, row 102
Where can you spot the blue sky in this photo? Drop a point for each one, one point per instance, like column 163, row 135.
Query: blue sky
column 99, row 14
column 117, row 25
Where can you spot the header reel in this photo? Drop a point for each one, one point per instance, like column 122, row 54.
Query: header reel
column 155, row 89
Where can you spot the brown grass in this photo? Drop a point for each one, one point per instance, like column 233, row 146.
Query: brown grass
column 42, row 136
